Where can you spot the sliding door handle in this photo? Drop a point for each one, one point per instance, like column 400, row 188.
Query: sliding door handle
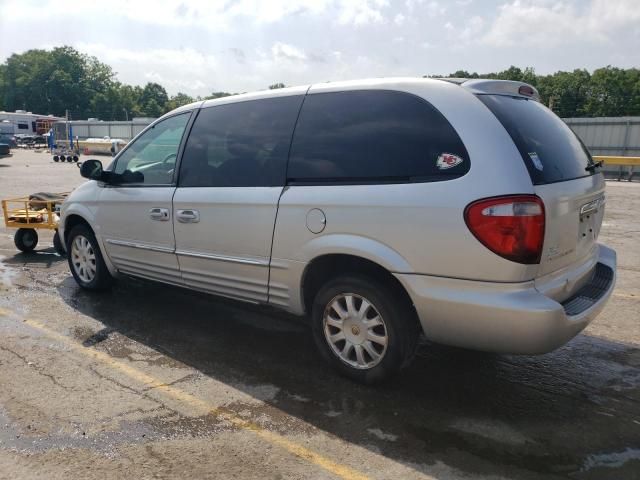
column 188, row 216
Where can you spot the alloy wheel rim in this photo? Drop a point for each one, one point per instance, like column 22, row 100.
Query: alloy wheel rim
column 83, row 258
column 355, row 331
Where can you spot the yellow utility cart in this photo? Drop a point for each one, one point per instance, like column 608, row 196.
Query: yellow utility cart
column 29, row 214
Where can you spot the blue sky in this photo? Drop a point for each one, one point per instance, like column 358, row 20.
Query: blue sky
column 203, row 46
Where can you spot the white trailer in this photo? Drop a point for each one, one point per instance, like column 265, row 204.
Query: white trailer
column 28, row 123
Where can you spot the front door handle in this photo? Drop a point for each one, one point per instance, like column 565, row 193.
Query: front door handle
column 160, row 214
column 188, row 216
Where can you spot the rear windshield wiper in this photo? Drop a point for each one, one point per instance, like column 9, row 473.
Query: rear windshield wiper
column 592, row 166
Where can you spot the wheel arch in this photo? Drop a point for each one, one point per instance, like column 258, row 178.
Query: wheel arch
column 75, row 217
column 71, row 221
column 327, row 266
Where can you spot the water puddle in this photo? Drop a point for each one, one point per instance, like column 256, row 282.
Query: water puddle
column 7, row 275
column 611, row 459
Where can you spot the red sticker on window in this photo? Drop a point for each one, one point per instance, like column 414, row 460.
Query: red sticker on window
column 448, row 160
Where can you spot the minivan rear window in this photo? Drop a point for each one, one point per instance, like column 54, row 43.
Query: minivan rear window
column 549, row 148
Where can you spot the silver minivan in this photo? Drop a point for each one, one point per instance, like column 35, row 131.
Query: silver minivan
column 379, row 209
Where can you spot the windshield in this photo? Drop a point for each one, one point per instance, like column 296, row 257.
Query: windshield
column 549, row 148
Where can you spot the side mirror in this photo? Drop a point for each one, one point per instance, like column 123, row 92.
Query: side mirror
column 92, row 169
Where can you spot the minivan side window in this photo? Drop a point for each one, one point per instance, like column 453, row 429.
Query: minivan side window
column 374, row 136
column 243, row 144
column 151, row 158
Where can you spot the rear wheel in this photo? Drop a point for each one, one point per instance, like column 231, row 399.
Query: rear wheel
column 85, row 260
column 26, row 239
column 364, row 328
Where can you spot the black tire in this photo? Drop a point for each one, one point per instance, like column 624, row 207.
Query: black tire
column 69, row 158
column 57, row 244
column 56, row 158
column 26, row 239
column 400, row 322
column 102, row 279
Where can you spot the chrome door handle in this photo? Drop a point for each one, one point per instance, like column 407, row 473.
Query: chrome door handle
column 188, row 216
column 160, row 214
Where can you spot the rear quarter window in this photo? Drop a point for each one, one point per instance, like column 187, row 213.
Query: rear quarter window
column 374, row 136
column 549, row 148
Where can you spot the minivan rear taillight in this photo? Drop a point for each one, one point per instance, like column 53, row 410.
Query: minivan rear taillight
column 511, row 226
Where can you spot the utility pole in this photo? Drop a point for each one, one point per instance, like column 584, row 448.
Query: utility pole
column 66, row 118
column 126, row 114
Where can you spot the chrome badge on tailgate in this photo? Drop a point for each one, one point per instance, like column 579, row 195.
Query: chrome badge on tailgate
column 589, row 225
column 592, row 206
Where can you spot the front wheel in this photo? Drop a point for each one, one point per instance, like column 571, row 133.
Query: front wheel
column 57, row 244
column 85, row 260
column 364, row 328
column 26, row 239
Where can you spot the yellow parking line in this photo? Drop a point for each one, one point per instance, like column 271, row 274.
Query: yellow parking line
column 151, row 382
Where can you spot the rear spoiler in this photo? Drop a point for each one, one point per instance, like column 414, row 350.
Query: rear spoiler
column 496, row 87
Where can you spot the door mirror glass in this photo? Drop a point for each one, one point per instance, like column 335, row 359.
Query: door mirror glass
column 91, row 169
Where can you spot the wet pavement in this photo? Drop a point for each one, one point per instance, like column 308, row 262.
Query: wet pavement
column 152, row 381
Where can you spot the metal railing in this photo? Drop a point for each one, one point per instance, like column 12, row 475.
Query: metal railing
column 620, row 162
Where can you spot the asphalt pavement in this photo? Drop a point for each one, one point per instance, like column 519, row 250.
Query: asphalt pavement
column 153, row 381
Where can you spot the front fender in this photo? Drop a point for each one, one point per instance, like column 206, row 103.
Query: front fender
column 86, row 211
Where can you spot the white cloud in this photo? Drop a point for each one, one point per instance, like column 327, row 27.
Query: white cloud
column 198, row 46
column 283, row 51
column 553, row 24
column 531, row 23
column 472, row 28
column 175, row 69
column 362, row 12
column 203, row 13
column 432, row 8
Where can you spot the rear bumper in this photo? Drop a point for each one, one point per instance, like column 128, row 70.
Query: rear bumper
column 504, row 317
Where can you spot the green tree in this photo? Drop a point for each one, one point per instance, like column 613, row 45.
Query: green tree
column 53, row 81
column 613, row 92
column 566, row 93
column 215, row 95
column 3, row 87
column 154, row 99
column 178, row 100
column 277, row 85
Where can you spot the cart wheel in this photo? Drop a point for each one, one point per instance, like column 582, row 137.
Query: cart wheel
column 69, row 159
column 76, row 158
column 57, row 245
column 56, row 158
column 26, row 239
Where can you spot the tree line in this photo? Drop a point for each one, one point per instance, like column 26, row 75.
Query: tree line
column 64, row 79
column 607, row 92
